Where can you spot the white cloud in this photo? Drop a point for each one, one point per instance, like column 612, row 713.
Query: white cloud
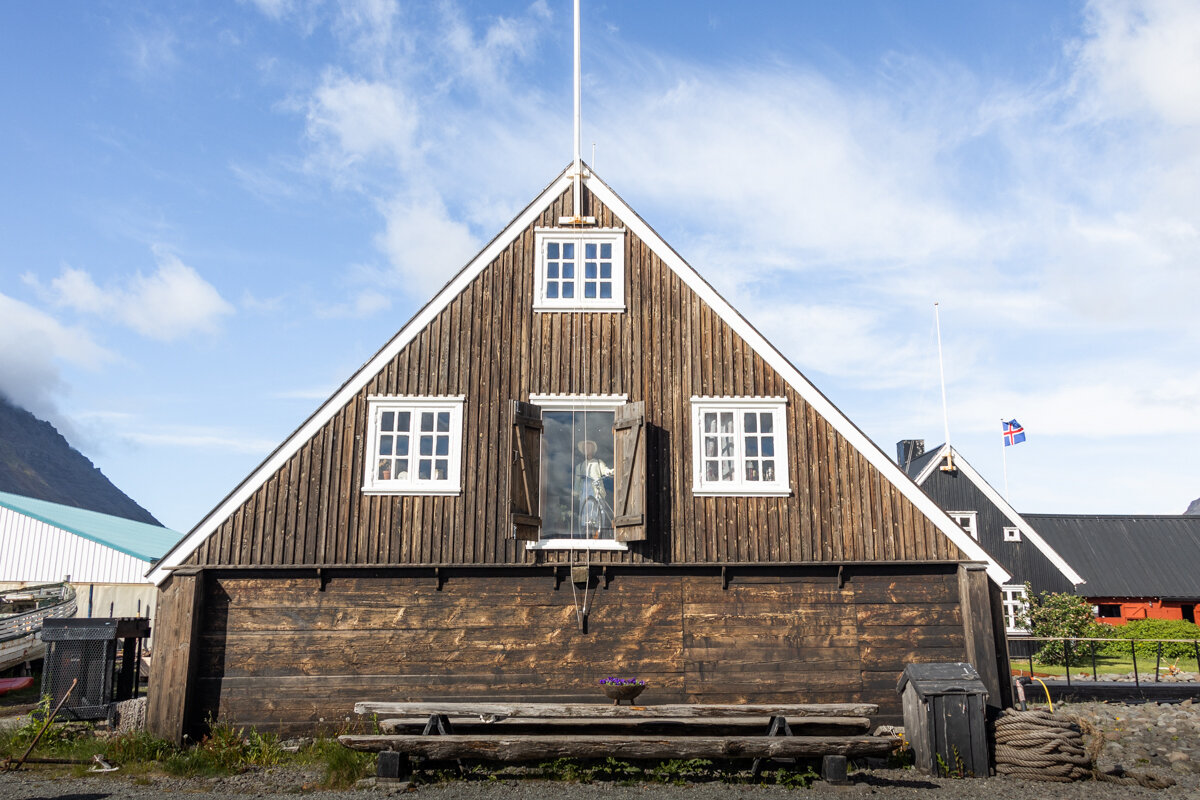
column 424, row 244
column 353, row 119
column 33, row 346
column 365, row 303
column 201, row 439
column 170, row 303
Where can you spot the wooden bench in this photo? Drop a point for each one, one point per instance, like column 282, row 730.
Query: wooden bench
column 556, row 736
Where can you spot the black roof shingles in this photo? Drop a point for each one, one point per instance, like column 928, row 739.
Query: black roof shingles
column 1127, row 556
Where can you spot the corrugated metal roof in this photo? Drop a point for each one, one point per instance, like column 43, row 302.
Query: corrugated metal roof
column 1128, row 556
column 147, row 542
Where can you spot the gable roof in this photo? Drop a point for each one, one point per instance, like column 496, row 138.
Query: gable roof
column 1129, row 556
column 924, row 466
column 684, row 271
column 137, row 539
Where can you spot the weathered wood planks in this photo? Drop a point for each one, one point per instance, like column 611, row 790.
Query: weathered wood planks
column 610, row 711
column 534, row 748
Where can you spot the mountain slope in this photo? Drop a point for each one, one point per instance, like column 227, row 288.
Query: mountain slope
column 36, row 461
column 1193, row 508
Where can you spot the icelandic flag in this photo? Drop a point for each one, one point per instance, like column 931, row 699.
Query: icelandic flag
column 1013, row 433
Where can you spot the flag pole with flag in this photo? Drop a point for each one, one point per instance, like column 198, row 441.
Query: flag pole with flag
column 1013, row 434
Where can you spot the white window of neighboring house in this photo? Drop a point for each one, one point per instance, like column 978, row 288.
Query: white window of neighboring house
column 1013, row 599
column 1012, row 534
column 578, row 467
column 739, row 446
column 414, row 445
column 968, row 521
column 579, row 270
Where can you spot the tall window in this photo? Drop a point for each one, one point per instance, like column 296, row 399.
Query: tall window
column 739, row 445
column 577, row 467
column 1013, row 600
column 580, row 270
column 414, row 445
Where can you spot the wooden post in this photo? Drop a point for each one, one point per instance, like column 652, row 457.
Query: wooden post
column 173, row 667
column 979, row 630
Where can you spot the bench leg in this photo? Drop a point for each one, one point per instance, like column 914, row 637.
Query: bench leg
column 391, row 766
column 833, row 769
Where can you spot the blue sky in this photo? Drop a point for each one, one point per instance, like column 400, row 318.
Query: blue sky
column 213, row 214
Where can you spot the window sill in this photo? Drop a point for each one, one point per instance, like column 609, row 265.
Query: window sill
column 576, row 544
column 543, row 308
column 408, row 490
column 741, row 491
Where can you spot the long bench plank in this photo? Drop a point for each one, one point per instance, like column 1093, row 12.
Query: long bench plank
column 601, row 710
column 534, row 748
column 847, row 725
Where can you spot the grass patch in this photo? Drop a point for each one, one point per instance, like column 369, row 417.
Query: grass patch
column 343, row 766
column 1106, row 664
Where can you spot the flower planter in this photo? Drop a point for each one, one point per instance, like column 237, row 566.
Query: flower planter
column 624, row 692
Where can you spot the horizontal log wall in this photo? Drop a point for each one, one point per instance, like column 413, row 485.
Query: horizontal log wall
column 280, row 653
column 490, row 346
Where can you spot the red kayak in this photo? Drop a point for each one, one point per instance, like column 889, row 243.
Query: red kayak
column 13, row 684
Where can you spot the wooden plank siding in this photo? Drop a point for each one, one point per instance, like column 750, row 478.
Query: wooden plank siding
column 490, row 346
column 281, row 652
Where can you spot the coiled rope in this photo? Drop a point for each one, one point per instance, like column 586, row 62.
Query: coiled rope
column 1038, row 745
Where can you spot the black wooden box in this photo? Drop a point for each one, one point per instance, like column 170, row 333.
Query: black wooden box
column 945, row 718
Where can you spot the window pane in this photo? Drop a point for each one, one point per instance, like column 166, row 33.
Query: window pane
column 752, row 470
column 727, row 422
column 589, row 290
column 424, row 469
column 710, row 471
column 751, row 423
column 443, row 421
column 426, row 445
column 589, row 250
column 385, row 445
column 767, row 422
column 443, row 446
column 552, row 291
column 577, row 461
column 710, row 422
column 568, row 270
column 768, row 445
column 439, row 469
column 402, row 468
column 606, row 290
column 606, row 250
column 552, row 270
column 727, row 445
column 589, row 270
column 751, row 447
column 552, row 250
column 727, row 471
column 606, row 271
column 426, row 420
column 768, row 470
column 385, row 469
column 402, row 445
column 387, row 421
column 568, row 249
column 568, row 290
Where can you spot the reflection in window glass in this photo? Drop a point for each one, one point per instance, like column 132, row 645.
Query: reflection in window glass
column 577, row 474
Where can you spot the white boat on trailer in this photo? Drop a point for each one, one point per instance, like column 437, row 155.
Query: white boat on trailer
column 21, row 614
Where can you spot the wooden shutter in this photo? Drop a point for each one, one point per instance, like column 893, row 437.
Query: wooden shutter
column 629, row 482
column 524, row 476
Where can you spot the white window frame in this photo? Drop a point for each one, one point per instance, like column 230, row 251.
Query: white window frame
column 780, row 487
column 577, row 402
column 970, row 516
column 1012, row 597
column 451, row 484
column 598, row 236
column 1012, row 534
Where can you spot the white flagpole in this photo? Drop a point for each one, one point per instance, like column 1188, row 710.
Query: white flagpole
column 578, row 136
column 1004, row 458
column 949, row 467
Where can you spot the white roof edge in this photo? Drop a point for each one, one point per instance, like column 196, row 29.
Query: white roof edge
column 813, row 396
column 1007, row 510
column 930, row 467
column 190, row 543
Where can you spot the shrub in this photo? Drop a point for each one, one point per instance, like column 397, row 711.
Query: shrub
column 1153, row 629
column 1057, row 614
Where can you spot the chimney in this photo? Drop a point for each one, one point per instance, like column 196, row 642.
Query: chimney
column 909, row 450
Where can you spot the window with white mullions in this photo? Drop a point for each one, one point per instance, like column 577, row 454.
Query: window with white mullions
column 739, row 446
column 1013, row 601
column 580, row 270
column 414, row 445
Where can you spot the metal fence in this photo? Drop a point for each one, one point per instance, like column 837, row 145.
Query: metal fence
column 1085, row 647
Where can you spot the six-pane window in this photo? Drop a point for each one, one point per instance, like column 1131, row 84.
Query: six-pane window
column 415, row 445
column 580, row 270
column 740, row 446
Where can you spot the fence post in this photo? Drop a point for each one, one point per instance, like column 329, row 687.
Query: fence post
column 1158, row 662
column 1133, row 649
column 1067, row 659
column 1095, row 678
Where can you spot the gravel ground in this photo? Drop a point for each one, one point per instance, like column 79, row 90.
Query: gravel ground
column 1164, row 740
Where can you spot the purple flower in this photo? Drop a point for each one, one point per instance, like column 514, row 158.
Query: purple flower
column 622, row 682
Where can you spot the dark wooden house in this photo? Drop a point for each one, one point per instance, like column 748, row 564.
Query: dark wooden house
column 985, row 516
column 576, row 461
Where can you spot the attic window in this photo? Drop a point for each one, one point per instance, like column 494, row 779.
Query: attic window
column 739, row 446
column 580, row 270
column 414, row 445
column 968, row 521
column 1012, row 534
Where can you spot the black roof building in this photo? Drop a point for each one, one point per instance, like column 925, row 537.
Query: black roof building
column 1136, row 556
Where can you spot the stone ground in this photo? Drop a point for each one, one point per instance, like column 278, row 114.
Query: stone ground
column 1160, row 739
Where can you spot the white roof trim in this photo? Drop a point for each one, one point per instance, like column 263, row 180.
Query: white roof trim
column 689, row 276
column 1005, row 509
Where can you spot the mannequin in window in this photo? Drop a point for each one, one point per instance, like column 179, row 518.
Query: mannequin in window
column 594, row 512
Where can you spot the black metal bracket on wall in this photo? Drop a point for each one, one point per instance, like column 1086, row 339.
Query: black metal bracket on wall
column 724, row 579
column 439, row 578
column 322, row 579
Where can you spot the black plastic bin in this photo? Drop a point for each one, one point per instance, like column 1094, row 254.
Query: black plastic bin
column 945, row 718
